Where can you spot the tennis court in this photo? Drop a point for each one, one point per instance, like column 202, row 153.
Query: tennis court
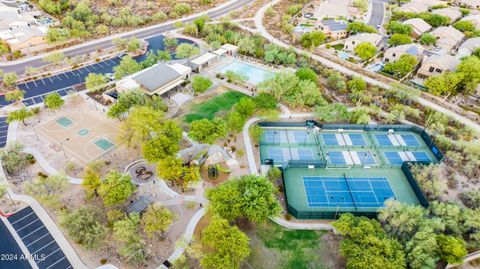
column 398, row 157
column 344, row 170
column 341, row 139
column 347, row 191
column 83, row 135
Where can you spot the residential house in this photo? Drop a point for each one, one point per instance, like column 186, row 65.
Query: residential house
column 25, row 37
column 475, row 19
column 419, row 27
column 414, row 7
column 437, row 64
column 334, row 29
column 11, row 20
column 475, row 4
column 202, row 61
column 353, row 41
column 394, row 53
column 468, row 47
column 156, row 80
column 452, row 13
column 448, row 37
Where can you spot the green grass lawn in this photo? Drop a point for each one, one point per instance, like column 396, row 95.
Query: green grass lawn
column 276, row 247
column 211, row 107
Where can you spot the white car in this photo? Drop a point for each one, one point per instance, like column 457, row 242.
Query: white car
column 110, row 76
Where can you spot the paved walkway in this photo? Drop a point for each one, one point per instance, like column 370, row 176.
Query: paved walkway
column 302, row 226
column 470, row 257
column 424, row 102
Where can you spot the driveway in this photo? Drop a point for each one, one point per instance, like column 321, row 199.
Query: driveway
column 378, row 11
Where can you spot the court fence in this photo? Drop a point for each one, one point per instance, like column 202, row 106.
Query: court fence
column 413, row 182
column 363, row 127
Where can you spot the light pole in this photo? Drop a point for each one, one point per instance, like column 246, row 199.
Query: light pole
column 61, row 145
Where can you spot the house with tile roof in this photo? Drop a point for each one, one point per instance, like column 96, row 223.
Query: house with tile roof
column 394, row 53
column 450, row 12
column 334, row 29
column 353, row 41
column 419, row 27
column 468, row 47
column 437, row 64
column 448, row 37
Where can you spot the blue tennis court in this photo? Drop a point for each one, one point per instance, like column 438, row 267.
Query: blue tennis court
column 273, row 137
column 276, row 154
column 305, row 154
column 366, row 157
column 302, row 136
column 347, row 192
column 393, row 157
column 421, row 156
column 330, row 139
column 336, row 157
column 410, row 140
column 357, row 140
column 383, row 140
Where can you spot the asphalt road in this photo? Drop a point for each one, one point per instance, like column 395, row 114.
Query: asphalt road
column 107, row 42
column 11, row 256
column 378, row 11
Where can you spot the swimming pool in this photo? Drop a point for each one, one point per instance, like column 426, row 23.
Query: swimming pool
column 343, row 55
column 254, row 74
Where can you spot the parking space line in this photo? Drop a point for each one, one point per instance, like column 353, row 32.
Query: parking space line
column 50, row 79
column 63, row 258
column 58, row 77
column 110, row 60
column 26, row 84
column 51, row 253
column 32, row 222
column 23, row 216
column 43, row 83
column 37, row 240
column 65, row 74
column 80, row 71
column 33, row 231
column 35, row 83
column 93, row 66
column 44, row 246
column 86, row 67
column 99, row 63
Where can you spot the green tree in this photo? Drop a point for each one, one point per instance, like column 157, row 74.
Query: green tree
column 422, row 249
column 20, row 115
column 91, row 179
column 47, row 189
column 182, row 8
column 83, row 225
column 186, row 50
column 200, row 23
column 360, row 27
column 451, row 249
column 10, row 79
column 207, row 131
column 53, row 101
column 468, row 69
column 13, row 158
column 250, row 196
column 200, row 84
column 332, row 112
column 126, row 67
column 156, row 219
column 428, row 39
column 444, row 84
column 399, row 39
column 401, row 67
column 365, row 244
column 132, row 247
column 57, row 35
column 305, row 73
column 141, row 123
column 15, row 95
column 464, row 26
column 312, row 39
column 115, row 188
column 170, row 43
column 222, row 245
column 274, row 174
column 164, row 143
column 435, row 20
column 170, row 168
column 93, row 81
column 357, row 84
column 396, row 27
column 365, row 50
column 133, row 45
column 54, row 57
column 337, row 82
column 163, row 56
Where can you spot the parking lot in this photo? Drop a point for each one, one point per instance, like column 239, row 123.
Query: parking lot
column 3, row 131
column 10, row 248
column 38, row 240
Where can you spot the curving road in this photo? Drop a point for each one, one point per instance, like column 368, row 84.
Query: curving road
column 37, row 61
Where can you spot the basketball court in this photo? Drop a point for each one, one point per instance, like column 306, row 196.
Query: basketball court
column 83, row 135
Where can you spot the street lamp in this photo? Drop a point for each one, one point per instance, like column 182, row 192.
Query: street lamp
column 61, row 145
